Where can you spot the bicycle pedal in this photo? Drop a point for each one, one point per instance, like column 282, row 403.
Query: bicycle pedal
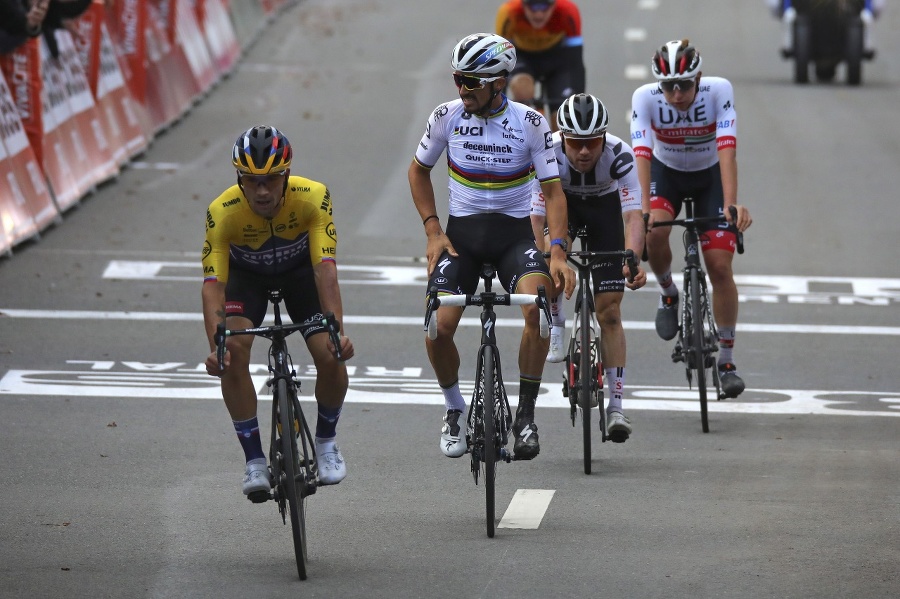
column 259, row 496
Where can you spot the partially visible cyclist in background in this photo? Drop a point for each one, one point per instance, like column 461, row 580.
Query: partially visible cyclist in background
column 787, row 11
column 603, row 191
column 684, row 133
column 495, row 150
column 547, row 37
column 273, row 231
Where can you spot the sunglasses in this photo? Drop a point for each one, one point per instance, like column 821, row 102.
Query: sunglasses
column 267, row 180
column 684, row 85
column 472, row 83
column 539, row 6
column 591, row 143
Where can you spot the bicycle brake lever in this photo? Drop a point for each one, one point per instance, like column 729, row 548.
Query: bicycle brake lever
column 430, row 307
column 544, row 304
column 632, row 264
column 219, row 339
column 331, row 325
column 740, row 235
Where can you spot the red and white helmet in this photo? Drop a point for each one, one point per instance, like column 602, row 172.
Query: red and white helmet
column 677, row 59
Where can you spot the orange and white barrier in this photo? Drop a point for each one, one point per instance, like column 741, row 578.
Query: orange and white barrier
column 133, row 68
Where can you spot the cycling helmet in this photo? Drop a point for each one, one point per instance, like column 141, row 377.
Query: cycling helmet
column 582, row 114
column 484, row 54
column 676, row 60
column 262, row 150
column 538, row 2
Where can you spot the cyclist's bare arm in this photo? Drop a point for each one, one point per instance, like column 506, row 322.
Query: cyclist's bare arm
column 325, row 273
column 423, row 197
column 634, row 241
column 213, row 295
column 728, row 168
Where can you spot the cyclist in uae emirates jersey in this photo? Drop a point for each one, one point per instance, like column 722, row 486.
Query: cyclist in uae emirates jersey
column 273, row 231
column 684, row 133
column 602, row 191
column 495, row 149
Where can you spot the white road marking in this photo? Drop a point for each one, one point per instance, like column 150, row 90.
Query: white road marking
column 648, row 4
column 633, row 325
column 634, row 34
column 155, row 166
column 527, row 508
column 636, row 72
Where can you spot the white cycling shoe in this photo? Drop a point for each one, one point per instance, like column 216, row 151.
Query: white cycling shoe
column 256, row 478
column 332, row 468
column 557, row 351
column 453, row 437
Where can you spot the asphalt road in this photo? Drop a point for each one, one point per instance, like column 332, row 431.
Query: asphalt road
column 121, row 471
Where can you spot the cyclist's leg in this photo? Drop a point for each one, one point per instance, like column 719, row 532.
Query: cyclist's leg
column 246, row 305
column 521, row 86
column 718, row 245
column 665, row 204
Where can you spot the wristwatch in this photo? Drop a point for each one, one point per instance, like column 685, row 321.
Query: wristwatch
column 561, row 243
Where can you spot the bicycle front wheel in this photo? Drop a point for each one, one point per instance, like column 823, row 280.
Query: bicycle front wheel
column 491, row 448
column 585, row 378
column 290, row 468
column 697, row 340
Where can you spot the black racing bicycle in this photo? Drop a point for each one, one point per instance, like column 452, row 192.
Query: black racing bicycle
column 293, row 469
column 583, row 375
column 698, row 338
column 489, row 420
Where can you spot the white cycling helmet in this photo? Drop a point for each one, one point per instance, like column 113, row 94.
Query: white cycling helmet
column 676, row 60
column 582, row 114
column 484, row 54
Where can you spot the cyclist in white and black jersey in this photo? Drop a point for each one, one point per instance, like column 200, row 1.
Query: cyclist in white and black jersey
column 495, row 150
column 602, row 191
column 684, row 133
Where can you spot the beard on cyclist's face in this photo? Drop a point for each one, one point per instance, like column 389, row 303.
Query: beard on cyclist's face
column 474, row 100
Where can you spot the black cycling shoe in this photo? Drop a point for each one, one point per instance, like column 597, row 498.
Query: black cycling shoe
column 667, row 317
column 527, row 445
column 732, row 384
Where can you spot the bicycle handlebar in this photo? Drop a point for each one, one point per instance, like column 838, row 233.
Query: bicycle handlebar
column 589, row 258
column 487, row 299
column 268, row 332
column 690, row 222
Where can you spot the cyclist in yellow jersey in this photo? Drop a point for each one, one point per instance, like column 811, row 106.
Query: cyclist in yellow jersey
column 273, row 230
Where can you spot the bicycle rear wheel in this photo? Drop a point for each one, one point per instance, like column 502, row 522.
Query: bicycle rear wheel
column 696, row 339
column 491, row 449
column 290, row 469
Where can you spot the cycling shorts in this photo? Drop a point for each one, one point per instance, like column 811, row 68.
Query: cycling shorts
column 560, row 70
column 669, row 187
column 247, row 295
column 503, row 241
column 602, row 218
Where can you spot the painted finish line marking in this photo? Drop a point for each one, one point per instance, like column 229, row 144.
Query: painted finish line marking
column 377, row 384
column 633, row 325
column 527, row 508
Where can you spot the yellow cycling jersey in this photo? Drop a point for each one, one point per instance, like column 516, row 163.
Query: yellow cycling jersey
column 300, row 236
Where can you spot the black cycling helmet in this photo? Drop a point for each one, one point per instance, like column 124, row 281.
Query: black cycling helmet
column 677, row 59
column 582, row 115
column 262, row 150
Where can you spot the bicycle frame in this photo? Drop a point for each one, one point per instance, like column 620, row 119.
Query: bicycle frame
column 487, row 428
column 583, row 378
column 698, row 338
column 292, row 457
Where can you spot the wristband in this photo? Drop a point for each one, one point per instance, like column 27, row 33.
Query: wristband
column 428, row 218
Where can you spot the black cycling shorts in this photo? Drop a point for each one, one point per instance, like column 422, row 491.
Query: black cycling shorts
column 247, row 295
column 505, row 242
column 602, row 218
column 560, row 70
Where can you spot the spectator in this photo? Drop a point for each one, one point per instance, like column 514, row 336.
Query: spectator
column 18, row 22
